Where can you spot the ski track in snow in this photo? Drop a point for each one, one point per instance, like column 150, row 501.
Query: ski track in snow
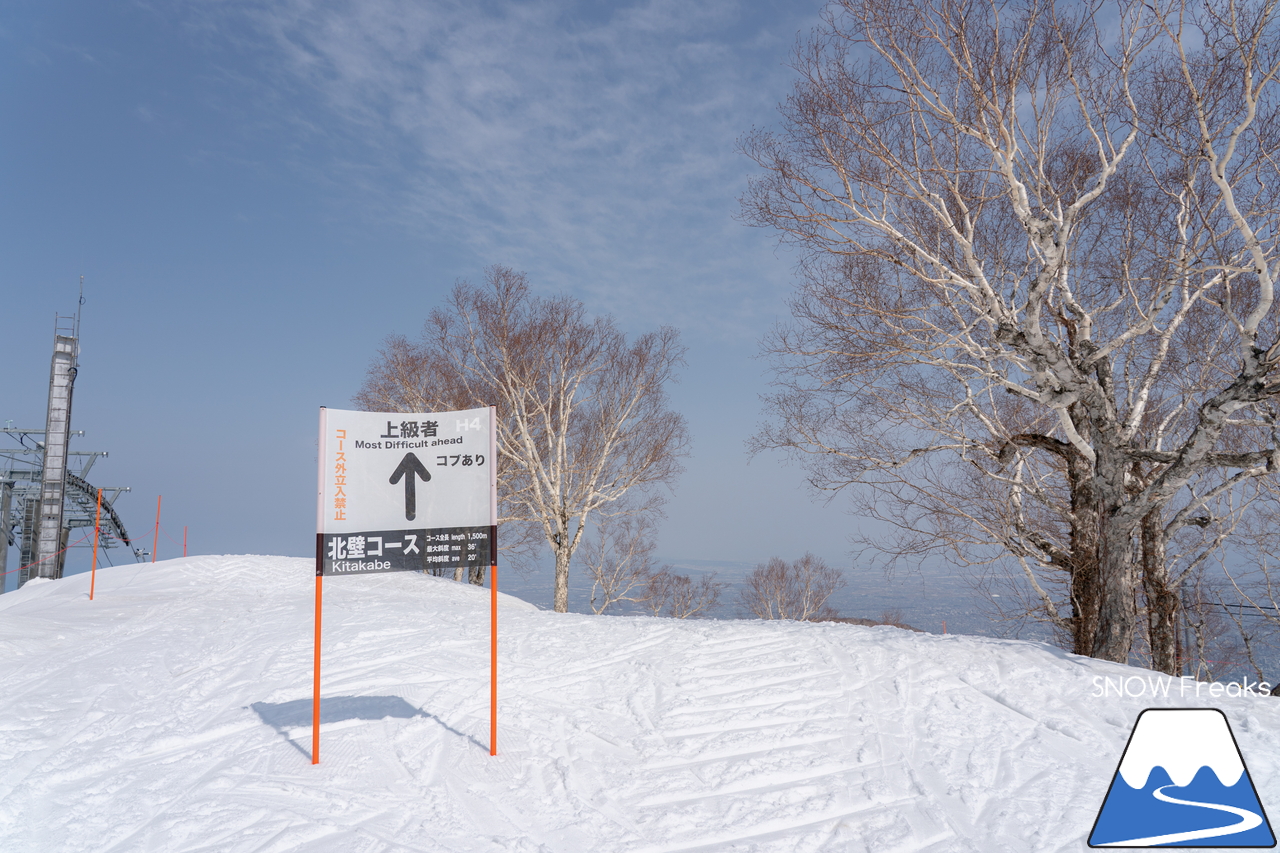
column 172, row 714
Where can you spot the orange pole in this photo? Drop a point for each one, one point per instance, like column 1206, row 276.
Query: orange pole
column 184, row 540
column 493, row 654
column 155, row 545
column 315, row 696
column 493, row 580
column 97, row 526
column 320, row 518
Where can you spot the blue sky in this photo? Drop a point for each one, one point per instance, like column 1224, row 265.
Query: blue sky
column 257, row 193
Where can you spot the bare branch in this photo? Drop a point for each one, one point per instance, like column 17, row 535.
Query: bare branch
column 582, row 413
column 1035, row 320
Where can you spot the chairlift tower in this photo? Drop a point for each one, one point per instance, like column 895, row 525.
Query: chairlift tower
column 44, row 490
column 51, row 535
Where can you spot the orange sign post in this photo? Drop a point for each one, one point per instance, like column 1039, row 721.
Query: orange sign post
column 97, row 528
column 493, row 582
column 407, row 492
column 155, row 543
column 315, row 695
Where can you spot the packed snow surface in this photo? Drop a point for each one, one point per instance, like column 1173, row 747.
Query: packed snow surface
column 173, row 713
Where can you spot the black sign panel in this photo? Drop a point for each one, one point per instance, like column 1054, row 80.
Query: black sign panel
column 404, row 550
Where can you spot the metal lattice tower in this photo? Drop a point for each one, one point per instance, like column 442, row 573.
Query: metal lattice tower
column 6, row 525
column 50, row 534
column 44, row 489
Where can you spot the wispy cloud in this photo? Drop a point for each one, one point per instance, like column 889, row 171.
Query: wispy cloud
column 592, row 145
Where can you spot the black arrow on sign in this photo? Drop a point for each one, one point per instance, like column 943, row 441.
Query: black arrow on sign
column 409, row 466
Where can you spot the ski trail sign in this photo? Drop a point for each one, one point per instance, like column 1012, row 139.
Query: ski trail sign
column 406, row 492
column 402, row 492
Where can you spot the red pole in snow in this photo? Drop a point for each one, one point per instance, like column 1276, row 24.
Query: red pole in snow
column 184, row 540
column 493, row 580
column 155, row 545
column 315, row 668
column 97, row 526
column 315, row 691
column 493, row 640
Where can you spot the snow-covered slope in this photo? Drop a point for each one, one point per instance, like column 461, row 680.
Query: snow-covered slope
column 172, row 714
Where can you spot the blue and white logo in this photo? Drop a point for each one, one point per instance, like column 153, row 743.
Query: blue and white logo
column 1182, row 783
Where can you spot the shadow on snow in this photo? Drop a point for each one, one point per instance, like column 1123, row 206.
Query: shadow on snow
column 283, row 716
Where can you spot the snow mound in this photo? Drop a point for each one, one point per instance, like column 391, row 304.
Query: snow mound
column 173, row 714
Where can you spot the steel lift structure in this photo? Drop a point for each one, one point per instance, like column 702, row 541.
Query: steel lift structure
column 45, row 493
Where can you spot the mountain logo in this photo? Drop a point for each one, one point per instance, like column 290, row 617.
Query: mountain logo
column 1181, row 782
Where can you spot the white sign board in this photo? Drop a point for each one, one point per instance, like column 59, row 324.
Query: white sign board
column 401, row 492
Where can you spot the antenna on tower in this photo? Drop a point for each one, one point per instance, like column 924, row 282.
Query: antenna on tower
column 79, row 304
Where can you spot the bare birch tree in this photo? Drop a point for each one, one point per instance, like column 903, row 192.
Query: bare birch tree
column 1036, row 315
column 797, row 590
column 680, row 596
column 582, row 413
column 1249, row 593
column 619, row 559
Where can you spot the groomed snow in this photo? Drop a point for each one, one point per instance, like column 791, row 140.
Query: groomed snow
column 172, row 714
